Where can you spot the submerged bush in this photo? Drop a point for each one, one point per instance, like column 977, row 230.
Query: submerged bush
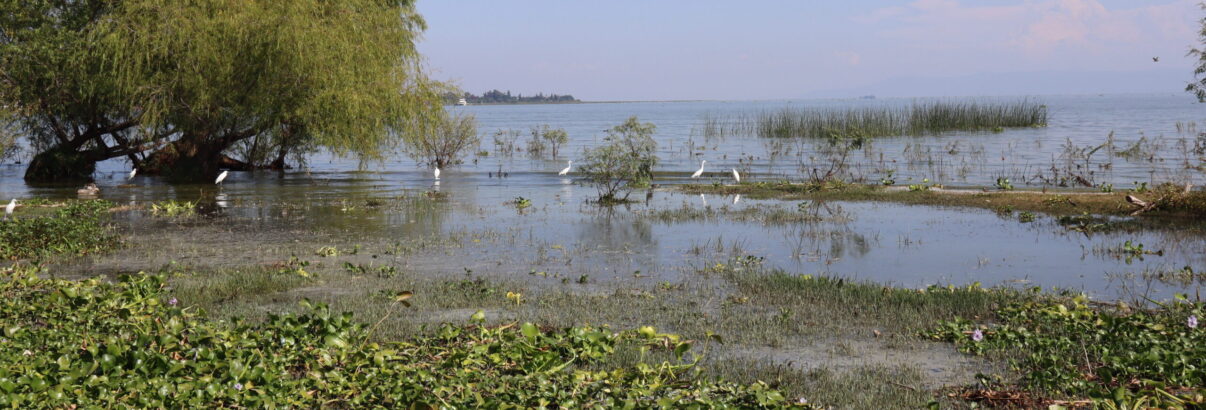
column 625, row 162
column 92, row 343
column 449, row 139
column 1069, row 348
column 77, row 228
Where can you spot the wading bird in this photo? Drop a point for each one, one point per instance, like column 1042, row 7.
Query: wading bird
column 436, row 173
column 700, row 171
column 736, row 176
column 736, row 199
column 132, row 173
column 568, row 165
column 8, row 210
column 221, row 177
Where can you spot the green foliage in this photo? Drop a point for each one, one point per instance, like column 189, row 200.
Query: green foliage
column 624, row 162
column 1003, row 184
column 1198, row 85
column 174, row 209
column 923, row 186
column 98, row 344
column 1067, row 347
column 111, row 79
column 553, row 137
column 78, row 228
column 1027, row 217
column 521, row 203
column 451, row 136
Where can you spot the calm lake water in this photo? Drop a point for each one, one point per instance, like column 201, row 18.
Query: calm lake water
column 1154, row 137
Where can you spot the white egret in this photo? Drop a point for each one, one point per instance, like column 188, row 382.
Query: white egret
column 436, row 173
column 736, row 176
column 700, row 171
column 736, row 199
column 8, row 210
column 221, row 177
column 568, row 165
column 132, row 173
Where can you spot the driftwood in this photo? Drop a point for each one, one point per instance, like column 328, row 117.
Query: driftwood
column 1144, row 206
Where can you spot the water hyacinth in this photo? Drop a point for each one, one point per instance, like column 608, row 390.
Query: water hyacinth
column 238, row 386
column 173, row 301
column 1192, row 322
column 977, row 335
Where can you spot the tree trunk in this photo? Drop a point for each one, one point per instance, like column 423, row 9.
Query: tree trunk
column 61, row 164
column 187, row 160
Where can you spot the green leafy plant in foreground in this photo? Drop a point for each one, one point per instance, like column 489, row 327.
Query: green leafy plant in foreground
column 131, row 343
column 77, row 228
column 1117, row 357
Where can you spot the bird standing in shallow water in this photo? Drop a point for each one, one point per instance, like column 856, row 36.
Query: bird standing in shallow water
column 436, row 173
column 221, row 177
column 736, row 176
column 568, row 165
column 132, row 173
column 700, row 171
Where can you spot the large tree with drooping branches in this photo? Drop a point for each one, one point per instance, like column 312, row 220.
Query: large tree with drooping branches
column 174, row 86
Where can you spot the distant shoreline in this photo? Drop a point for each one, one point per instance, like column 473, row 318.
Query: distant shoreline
column 586, row 102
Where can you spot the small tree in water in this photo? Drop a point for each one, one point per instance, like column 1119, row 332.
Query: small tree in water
column 625, row 162
column 445, row 142
column 1198, row 85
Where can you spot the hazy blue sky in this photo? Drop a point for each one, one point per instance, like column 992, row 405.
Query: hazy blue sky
column 704, row 49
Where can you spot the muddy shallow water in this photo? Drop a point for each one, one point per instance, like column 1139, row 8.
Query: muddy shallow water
column 266, row 216
column 476, row 226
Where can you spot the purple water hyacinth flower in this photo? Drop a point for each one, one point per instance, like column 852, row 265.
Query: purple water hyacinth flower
column 1192, row 322
column 238, row 386
column 977, row 335
column 173, row 301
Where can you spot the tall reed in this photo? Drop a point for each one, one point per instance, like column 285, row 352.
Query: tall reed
column 918, row 118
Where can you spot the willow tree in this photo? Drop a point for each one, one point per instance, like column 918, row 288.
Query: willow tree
column 1198, row 85
column 56, row 90
column 191, row 80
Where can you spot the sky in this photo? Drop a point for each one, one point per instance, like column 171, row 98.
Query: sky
column 778, row 49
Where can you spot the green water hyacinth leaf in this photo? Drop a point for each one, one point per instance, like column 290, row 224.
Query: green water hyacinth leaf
column 148, row 354
column 530, row 331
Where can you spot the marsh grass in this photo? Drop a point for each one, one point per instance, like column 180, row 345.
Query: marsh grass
column 211, row 289
column 1170, row 201
column 919, row 118
column 174, row 209
column 857, row 304
column 78, row 228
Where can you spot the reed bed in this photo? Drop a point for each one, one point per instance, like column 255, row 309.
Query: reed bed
column 918, row 118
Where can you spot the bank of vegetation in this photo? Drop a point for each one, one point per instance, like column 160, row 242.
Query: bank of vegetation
column 505, row 97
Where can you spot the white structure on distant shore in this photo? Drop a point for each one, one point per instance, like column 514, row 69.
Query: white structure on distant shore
column 462, row 102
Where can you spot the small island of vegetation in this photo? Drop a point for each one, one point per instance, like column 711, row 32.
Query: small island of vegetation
column 505, row 97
